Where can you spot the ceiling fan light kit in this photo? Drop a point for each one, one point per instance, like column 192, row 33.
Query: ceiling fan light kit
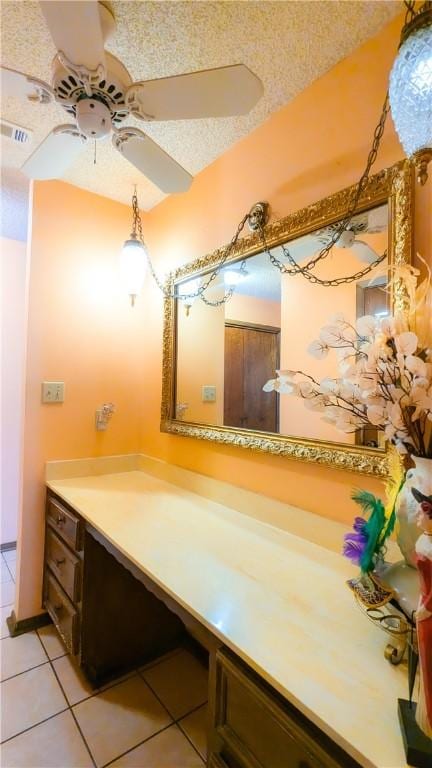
column 97, row 92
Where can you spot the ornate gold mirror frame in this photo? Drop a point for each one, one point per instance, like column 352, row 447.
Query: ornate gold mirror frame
column 393, row 186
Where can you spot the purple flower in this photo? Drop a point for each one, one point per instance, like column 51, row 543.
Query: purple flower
column 355, row 545
column 359, row 524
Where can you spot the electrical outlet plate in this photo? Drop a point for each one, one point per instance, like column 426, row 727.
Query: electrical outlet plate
column 208, row 394
column 53, row 391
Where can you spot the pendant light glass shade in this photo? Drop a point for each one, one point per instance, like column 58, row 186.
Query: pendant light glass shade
column 411, row 91
column 133, row 266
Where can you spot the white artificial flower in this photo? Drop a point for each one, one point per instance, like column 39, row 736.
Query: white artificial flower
column 306, row 389
column 279, row 385
column 395, row 414
column 348, row 422
column 287, row 374
column 287, row 387
column 406, row 343
column 333, row 336
column 387, row 326
column 270, row 385
column 318, row 349
column 329, row 386
column 376, row 414
column 317, row 403
column 339, row 319
column 389, row 432
column 366, row 325
column 421, row 400
column 416, row 366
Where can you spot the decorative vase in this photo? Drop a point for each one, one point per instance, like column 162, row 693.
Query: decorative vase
column 403, row 577
column 419, row 477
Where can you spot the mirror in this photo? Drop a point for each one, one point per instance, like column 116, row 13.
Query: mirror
column 220, row 355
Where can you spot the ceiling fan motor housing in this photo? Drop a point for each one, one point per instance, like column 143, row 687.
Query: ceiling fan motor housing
column 93, row 118
column 110, row 89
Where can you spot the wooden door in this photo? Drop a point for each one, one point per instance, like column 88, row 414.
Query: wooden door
column 251, row 358
column 371, row 300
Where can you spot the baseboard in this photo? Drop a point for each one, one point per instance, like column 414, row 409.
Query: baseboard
column 7, row 546
column 26, row 625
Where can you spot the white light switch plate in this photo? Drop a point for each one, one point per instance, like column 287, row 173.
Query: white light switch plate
column 208, row 394
column 53, row 391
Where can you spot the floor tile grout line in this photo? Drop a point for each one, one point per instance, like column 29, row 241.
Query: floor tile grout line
column 191, row 711
column 45, row 720
column 67, row 702
column 187, row 737
column 156, row 695
column 69, row 706
column 131, row 749
column 18, row 674
column 175, row 722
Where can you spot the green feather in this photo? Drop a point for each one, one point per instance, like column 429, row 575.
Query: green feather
column 374, row 508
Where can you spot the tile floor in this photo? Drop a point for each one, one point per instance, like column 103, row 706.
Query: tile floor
column 52, row 718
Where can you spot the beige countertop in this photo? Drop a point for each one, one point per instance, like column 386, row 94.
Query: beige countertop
column 277, row 600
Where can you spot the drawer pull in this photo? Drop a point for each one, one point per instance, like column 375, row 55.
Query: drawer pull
column 60, row 520
column 59, row 561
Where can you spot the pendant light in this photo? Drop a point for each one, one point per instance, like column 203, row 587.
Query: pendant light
column 410, row 88
column 134, row 256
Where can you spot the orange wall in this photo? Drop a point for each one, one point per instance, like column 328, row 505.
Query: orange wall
column 314, row 146
column 250, row 309
column 200, row 352
column 83, row 331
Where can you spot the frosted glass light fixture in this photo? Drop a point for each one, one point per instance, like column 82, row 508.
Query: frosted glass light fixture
column 410, row 90
column 188, row 293
column 133, row 266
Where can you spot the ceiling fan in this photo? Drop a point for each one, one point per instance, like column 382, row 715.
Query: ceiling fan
column 97, row 92
column 370, row 222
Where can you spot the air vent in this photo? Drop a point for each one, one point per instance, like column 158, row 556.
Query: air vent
column 15, row 132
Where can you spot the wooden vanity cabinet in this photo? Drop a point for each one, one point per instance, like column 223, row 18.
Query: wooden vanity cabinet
column 105, row 616
column 253, row 727
column 113, row 618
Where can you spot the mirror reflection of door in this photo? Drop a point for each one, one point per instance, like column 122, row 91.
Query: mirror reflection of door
column 251, row 357
column 371, row 300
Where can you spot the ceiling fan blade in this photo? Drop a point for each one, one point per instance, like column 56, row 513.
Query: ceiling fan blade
column 55, row 154
column 23, row 86
column 151, row 160
column 76, row 30
column 221, row 92
column 364, row 252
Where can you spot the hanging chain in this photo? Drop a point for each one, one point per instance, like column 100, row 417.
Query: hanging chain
column 294, row 268
column 410, row 10
column 342, row 226
column 137, row 231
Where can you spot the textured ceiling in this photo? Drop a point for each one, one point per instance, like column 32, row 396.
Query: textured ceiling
column 287, row 44
column 14, row 191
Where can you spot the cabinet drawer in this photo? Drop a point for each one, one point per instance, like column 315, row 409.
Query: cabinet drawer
column 64, row 564
column 258, row 731
column 65, row 523
column 62, row 612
